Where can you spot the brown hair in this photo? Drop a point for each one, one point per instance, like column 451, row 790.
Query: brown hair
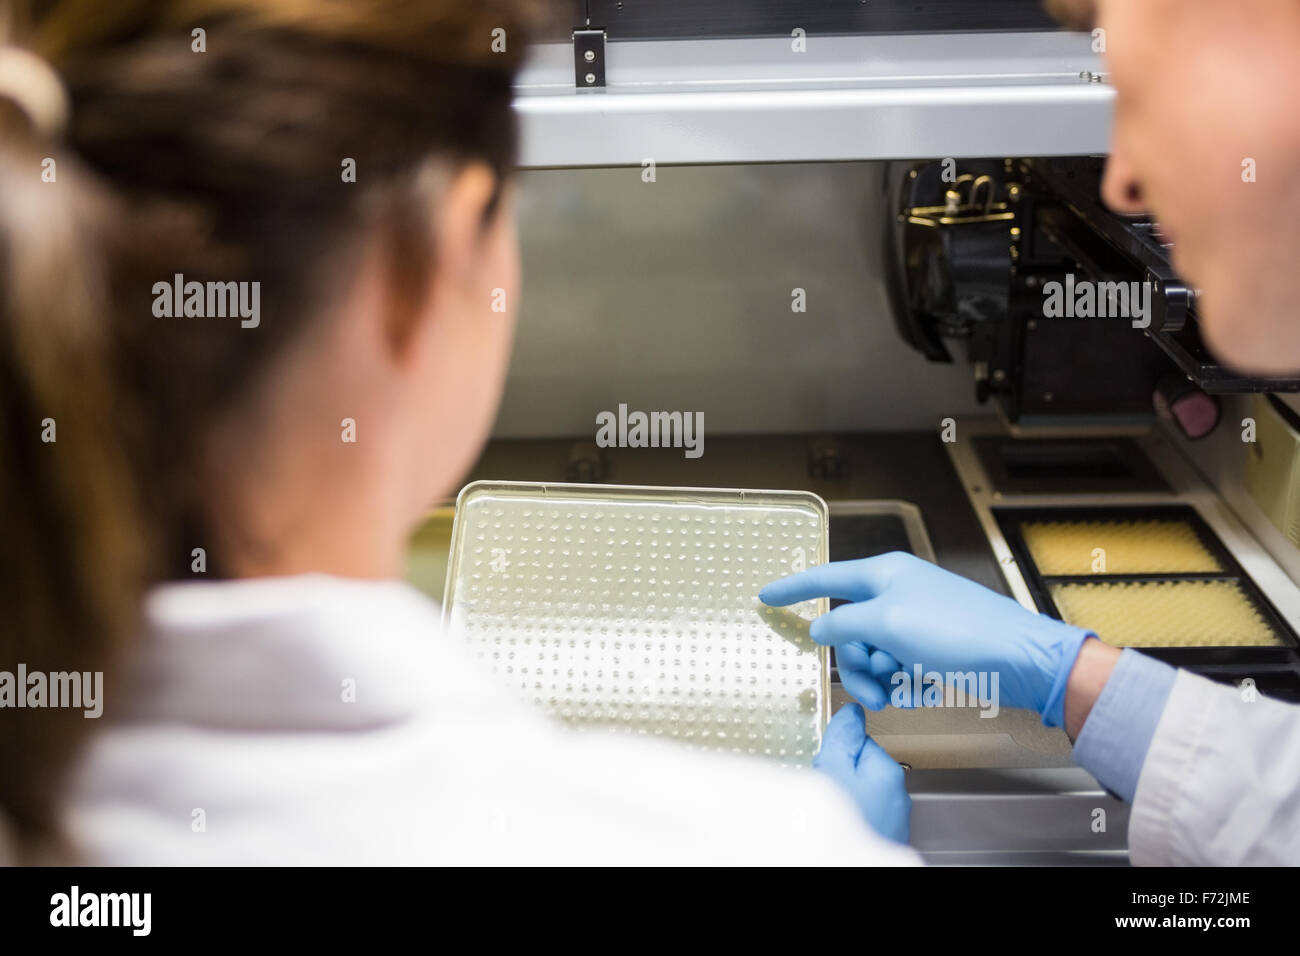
column 1073, row 14
column 223, row 164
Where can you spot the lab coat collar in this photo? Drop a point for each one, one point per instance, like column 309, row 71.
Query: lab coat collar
column 310, row 652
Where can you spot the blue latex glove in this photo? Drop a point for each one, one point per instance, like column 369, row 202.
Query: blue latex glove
column 909, row 612
column 872, row 777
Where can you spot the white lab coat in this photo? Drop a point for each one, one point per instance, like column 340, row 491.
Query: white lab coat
column 233, row 741
column 1221, row 781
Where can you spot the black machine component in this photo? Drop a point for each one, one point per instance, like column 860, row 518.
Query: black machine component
column 1054, row 466
column 716, row 19
column 949, row 244
column 589, row 59
column 998, row 254
column 591, row 22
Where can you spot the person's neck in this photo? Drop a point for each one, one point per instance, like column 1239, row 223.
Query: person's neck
column 303, row 500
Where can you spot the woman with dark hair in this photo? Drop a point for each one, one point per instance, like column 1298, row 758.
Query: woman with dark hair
column 249, row 252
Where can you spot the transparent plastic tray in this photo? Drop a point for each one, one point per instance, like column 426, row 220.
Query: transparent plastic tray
column 636, row 608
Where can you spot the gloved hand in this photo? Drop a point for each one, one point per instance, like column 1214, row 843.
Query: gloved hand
column 909, row 612
column 872, row 777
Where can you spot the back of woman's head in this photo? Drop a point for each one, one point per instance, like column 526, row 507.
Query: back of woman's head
column 219, row 140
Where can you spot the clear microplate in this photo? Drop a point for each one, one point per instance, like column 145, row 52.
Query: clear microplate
column 636, row 609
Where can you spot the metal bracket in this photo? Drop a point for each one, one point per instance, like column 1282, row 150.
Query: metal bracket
column 589, row 59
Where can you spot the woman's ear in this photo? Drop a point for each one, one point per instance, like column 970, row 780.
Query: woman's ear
column 433, row 251
column 461, row 215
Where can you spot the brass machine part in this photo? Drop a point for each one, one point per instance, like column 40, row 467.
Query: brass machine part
column 963, row 208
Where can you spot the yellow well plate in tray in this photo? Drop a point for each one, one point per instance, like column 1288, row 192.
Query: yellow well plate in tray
column 1165, row 613
column 1117, row 547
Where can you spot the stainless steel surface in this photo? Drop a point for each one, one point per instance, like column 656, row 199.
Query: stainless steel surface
column 842, row 98
column 677, row 294
column 1052, row 816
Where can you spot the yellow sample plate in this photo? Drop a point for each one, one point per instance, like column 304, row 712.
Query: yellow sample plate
column 1165, row 613
column 1061, row 548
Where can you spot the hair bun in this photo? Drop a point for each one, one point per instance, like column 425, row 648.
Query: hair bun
column 32, row 85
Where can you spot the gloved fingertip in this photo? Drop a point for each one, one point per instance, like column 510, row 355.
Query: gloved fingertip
column 844, row 716
column 841, row 743
column 853, row 656
column 883, row 664
column 787, row 590
column 864, row 689
column 846, row 729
